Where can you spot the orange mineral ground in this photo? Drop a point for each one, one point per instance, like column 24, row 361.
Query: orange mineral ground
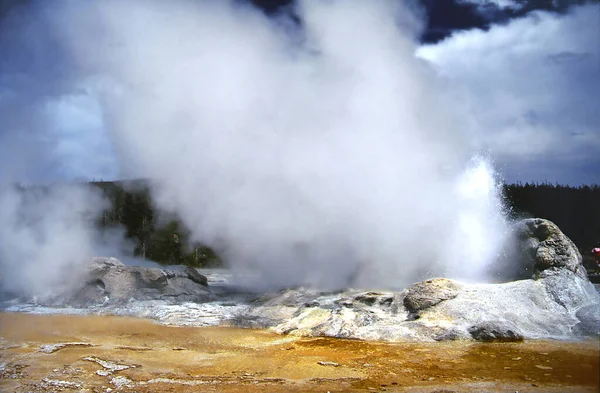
column 55, row 353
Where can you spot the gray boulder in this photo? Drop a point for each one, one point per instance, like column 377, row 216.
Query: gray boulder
column 543, row 246
column 196, row 277
column 496, row 331
column 108, row 281
column 589, row 320
column 428, row 293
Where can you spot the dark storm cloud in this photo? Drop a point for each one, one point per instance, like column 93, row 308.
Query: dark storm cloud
column 532, row 86
column 50, row 126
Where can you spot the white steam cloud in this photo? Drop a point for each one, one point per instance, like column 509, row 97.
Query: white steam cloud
column 47, row 235
column 320, row 153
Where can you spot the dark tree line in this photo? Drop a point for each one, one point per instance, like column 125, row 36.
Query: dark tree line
column 156, row 235
column 162, row 238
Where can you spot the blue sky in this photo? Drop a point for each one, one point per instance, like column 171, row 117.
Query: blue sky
column 526, row 74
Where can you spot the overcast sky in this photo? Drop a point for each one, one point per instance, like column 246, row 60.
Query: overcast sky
column 525, row 74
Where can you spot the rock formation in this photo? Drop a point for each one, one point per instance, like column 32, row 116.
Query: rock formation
column 556, row 300
column 551, row 298
column 108, row 281
column 429, row 293
column 539, row 246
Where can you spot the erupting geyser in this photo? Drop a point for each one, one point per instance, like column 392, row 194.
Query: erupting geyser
column 482, row 228
column 317, row 153
column 318, row 150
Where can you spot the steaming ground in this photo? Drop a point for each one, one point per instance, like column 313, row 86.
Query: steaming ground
column 48, row 234
column 232, row 299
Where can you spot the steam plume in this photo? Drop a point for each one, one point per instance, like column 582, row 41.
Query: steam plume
column 319, row 152
column 48, row 235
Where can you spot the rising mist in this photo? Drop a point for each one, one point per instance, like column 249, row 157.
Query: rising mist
column 48, row 234
column 319, row 150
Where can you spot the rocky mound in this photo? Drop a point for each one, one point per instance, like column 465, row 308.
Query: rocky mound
column 556, row 300
column 552, row 298
column 562, row 306
column 108, row 281
column 540, row 247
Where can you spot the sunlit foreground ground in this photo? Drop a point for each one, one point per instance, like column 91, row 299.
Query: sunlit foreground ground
column 134, row 355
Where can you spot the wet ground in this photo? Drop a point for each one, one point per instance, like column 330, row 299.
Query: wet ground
column 117, row 354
